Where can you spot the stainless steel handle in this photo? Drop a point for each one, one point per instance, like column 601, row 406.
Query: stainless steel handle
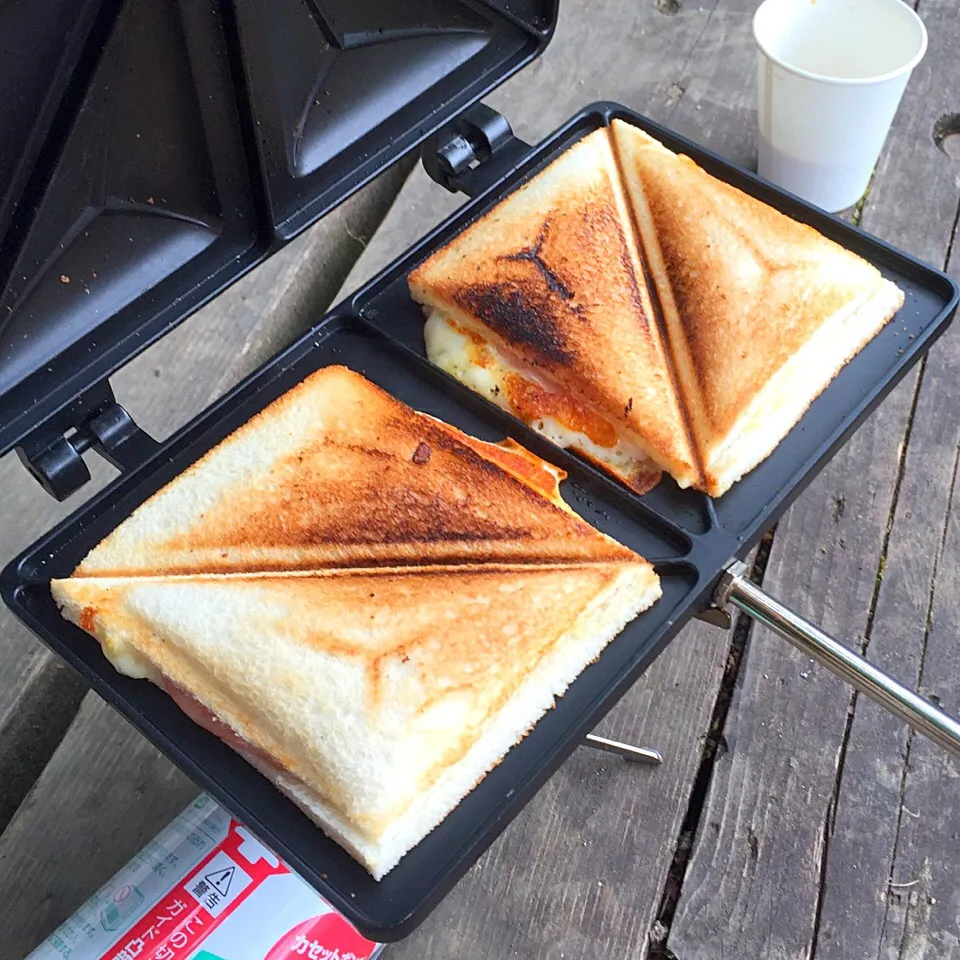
column 910, row 707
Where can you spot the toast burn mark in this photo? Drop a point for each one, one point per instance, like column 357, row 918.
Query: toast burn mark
column 532, row 255
column 519, row 313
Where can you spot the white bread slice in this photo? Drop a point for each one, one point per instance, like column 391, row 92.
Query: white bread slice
column 783, row 400
column 375, row 699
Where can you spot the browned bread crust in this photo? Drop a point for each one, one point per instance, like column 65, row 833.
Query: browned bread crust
column 744, row 289
column 367, row 604
column 708, row 341
column 337, row 473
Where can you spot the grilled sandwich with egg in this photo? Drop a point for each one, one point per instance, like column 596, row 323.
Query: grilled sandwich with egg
column 628, row 305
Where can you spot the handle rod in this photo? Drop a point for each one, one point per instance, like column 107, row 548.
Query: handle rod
column 810, row 640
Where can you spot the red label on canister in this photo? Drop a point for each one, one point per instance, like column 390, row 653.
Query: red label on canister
column 328, row 937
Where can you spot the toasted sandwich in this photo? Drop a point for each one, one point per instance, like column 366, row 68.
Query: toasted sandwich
column 761, row 311
column 374, row 673
column 542, row 305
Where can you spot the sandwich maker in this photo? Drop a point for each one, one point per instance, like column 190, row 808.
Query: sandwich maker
column 153, row 151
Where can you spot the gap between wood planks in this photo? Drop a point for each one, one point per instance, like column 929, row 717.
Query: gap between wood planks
column 715, row 742
column 714, row 745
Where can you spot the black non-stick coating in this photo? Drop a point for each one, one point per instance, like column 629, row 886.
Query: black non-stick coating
column 688, row 536
column 153, row 151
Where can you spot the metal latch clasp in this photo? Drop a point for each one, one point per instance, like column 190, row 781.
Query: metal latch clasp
column 460, row 157
column 54, row 453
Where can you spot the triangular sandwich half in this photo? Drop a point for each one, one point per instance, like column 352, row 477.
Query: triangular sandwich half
column 334, row 473
column 542, row 306
column 375, row 699
column 761, row 311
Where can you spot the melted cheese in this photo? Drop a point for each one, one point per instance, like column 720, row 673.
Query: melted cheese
column 480, row 367
column 127, row 659
column 516, row 460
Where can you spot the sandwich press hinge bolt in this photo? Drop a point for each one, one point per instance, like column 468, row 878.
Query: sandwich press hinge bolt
column 460, row 156
column 54, row 455
column 718, row 614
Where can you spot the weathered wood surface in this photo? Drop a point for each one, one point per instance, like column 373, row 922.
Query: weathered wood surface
column 106, row 787
column 795, row 851
column 897, row 813
column 560, row 856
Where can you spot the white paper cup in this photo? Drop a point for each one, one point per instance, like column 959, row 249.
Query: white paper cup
column 831, row 75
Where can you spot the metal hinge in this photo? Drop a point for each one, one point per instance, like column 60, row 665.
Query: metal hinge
column 54, row 453
column 474, row 152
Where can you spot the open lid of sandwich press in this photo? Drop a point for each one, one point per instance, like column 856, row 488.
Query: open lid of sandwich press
column 152, row 151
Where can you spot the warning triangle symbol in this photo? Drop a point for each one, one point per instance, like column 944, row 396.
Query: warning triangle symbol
column 221, row 879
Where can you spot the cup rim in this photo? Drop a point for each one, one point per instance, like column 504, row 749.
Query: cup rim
column 846, row 81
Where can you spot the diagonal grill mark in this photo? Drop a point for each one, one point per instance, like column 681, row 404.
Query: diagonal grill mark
column 439, row 567
column 633, row 226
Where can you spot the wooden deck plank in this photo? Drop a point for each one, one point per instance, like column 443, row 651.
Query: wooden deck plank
column 718, row 91
column 609, row 804
column 755, row 875
column 163, row 388
column 868, row 846
column 922, row 919
column 888, row 775
column 104, row 790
